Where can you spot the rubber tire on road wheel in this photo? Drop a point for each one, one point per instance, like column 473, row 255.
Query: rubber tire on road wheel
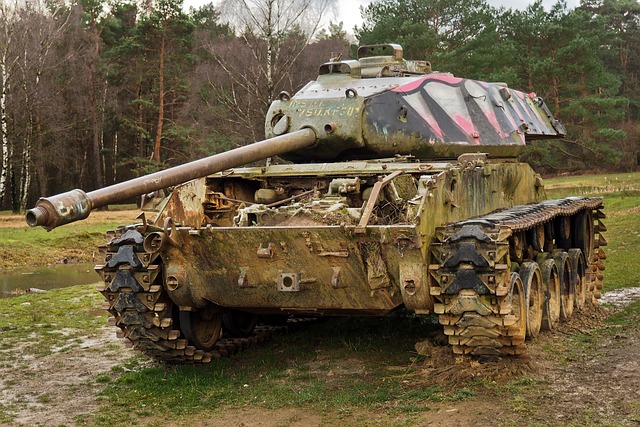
column 518, row 330
column 578, row 276
column 534, row 296
column 551, row 283
column 567, row 290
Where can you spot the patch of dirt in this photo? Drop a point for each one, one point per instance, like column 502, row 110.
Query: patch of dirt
column 53, row 390
column 597, row 384
column 256, row 417
column 604, row 388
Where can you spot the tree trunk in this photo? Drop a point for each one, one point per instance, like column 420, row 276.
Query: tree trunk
column 25, row 174
column 96, row 126
column 4, row 164
column 156, row 149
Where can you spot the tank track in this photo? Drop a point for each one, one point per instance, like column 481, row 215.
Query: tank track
column 485, row 273
column 139, row 306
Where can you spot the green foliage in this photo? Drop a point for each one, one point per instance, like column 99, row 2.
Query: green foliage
column 335, row 31
column 609, row 134
column 422, row 27
column 578, row 60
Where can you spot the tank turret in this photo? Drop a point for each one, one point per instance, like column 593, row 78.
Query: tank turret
column 383, row 105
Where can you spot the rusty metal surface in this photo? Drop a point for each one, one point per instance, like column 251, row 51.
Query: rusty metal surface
column 328, row 252
column 58, row 210
column 325, row 270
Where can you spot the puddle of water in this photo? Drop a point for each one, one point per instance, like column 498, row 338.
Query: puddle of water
column 620, row 297
column 46, row 278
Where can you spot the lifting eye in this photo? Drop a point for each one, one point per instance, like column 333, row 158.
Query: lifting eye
column 284, row 96
column 350, row 93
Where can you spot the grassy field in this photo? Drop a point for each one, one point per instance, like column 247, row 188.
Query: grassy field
column 21, row 245
column 621, row 194
column 361, row 371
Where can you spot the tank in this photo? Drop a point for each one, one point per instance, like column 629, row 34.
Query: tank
column 402, row 191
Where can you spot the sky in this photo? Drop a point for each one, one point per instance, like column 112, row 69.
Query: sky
column 349, row 10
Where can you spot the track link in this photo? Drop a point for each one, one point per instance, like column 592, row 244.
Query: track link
column 481, row 299
column 146, row 316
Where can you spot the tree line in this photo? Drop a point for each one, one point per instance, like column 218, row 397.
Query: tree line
column 94, row 92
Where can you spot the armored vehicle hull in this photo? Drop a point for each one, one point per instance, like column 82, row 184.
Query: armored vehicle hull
column 355, row 238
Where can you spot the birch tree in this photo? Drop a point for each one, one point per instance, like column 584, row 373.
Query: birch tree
column 40, row 30
column 272, row 35
column 8, row 22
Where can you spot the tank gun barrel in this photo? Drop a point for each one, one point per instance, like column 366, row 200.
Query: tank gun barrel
column 74, row 205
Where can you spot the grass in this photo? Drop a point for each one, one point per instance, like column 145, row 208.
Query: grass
column 628, row 317
column 40, row 324
column 621, row 194
column 22, row 245
column 589, row 185
column 375, row 373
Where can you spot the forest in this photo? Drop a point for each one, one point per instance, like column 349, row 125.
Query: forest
column 94, row 92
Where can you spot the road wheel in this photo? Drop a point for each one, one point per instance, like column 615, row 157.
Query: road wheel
column 534, row 296
column 567, row 290
column 551, row 283
column 238, row 323
column 578, row 276
column 202, row 327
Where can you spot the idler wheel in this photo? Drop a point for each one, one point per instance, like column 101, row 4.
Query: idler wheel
column 551, row 283
column 567, row 290
column 238, row 323
column 534, row 296
column 202, row 327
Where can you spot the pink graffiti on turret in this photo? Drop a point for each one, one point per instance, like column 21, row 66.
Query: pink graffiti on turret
column 417, row 83
column 468, row 127
column 416, row 100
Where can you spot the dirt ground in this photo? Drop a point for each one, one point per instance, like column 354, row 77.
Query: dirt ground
column 54, row 389
column 597, row 386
